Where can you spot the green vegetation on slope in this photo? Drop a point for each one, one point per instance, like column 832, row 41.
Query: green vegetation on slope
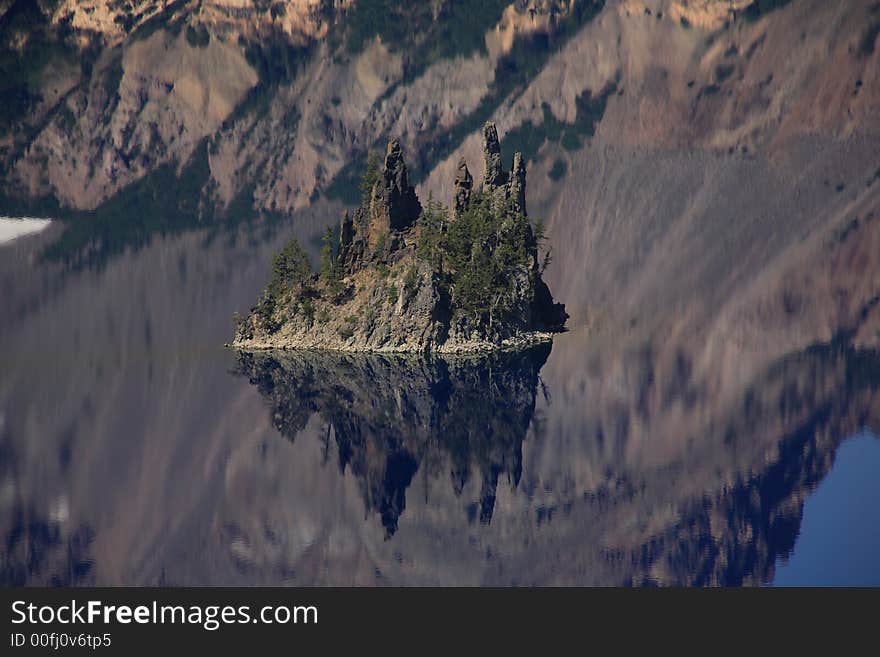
column 27, row 47
column 330, row 269
column 760, row 7
column 291, row 274
column 482, row 258
column 512, row 73
column 424, row 32
column 130, row 217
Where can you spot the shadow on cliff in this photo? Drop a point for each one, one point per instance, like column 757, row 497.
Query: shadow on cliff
column 390, row 414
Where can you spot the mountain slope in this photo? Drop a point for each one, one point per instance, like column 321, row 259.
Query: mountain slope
column 694, row 161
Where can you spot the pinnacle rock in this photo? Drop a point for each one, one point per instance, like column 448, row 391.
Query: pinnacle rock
column 464, row 183
column 494, row 176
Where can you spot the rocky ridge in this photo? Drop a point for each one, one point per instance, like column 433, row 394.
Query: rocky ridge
column 404, row 278
column 79, row 129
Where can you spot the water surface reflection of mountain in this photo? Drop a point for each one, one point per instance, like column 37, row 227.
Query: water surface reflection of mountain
column 811, row 401
column 649, row 524
column 130, row 455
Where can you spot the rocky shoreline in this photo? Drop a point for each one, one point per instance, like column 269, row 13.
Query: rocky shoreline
column 515, row 343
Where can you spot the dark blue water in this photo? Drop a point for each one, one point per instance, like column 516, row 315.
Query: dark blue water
column 839, row 541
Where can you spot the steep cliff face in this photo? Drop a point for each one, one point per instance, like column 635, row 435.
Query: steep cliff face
column 318, row 80
column 291, row 95
column 682, row 153
column 299, row 20
column 406, row 278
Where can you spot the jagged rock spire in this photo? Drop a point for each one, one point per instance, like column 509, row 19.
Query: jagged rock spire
column 394, row 206
column 404, row 206
column 393, row 196
column 424, row 313
column 497, row 181
column 463, row 185
column 494, row 176
column 346, row 233
column 516, row 186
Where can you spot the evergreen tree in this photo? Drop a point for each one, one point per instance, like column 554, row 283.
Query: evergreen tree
column 328, row 257
column 291, row 273
column 371, row 174
column 487, row 252
column 330, row 272
column 432, row 228
column 290, row 269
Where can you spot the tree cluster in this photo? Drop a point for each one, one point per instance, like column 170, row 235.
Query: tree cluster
column 291, row 272
column 485, row 257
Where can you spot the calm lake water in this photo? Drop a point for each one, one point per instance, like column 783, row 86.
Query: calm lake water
column 136, row 450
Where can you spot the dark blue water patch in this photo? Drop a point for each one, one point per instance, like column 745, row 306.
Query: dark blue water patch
column 839, row 541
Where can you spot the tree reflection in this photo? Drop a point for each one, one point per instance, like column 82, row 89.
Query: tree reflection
column 389, row 415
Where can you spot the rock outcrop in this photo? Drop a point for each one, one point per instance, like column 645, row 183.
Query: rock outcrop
column 494, row 177
column 405, row 280
column 464, row 183
column 395, row 206
column 502, row 185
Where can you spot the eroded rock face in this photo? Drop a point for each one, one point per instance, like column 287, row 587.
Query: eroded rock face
column 516, row 186
column 316, row 110
column 464, row 183
column 395, row 206
column 288, row 103
column 494, row 168
column 505, row 186
column 299, row 20
column 384, row 294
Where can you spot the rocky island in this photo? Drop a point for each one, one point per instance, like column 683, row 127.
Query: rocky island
column 403, row 277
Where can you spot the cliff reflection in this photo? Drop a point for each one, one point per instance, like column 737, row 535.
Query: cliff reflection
column 722, row 514
column 811, row 401
column 42, row 551
column 129, row 457
column 391, row 416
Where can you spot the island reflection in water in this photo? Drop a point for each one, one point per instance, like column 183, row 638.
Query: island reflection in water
column 130, row 456
column 389, row 417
